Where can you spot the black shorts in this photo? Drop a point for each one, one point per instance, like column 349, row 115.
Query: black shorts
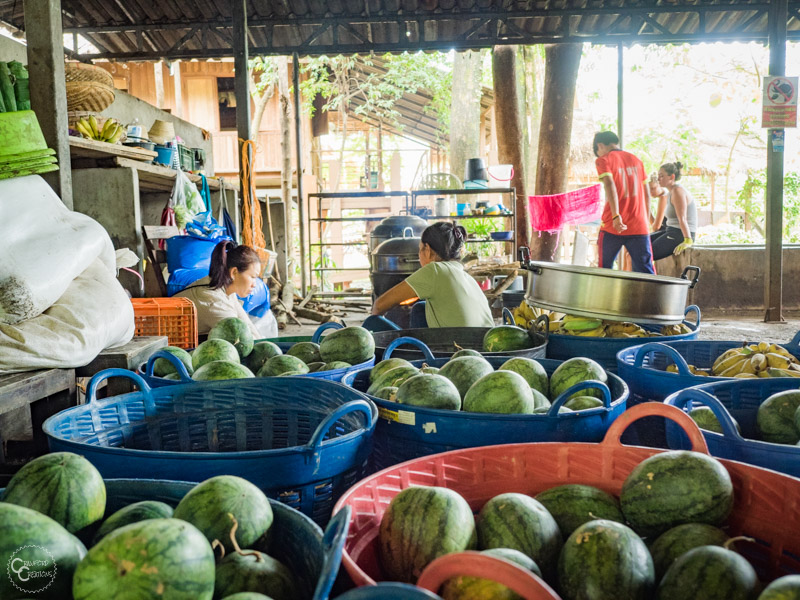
column 664, row 241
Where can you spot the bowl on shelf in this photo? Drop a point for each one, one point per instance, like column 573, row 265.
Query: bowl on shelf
column 143, row 144
column 502, row 235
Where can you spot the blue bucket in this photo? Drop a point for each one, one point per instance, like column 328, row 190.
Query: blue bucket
column 302, row 441
column 406, row 432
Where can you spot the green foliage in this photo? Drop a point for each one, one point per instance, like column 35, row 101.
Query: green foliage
column 752, row 200
column 480, row 229
column 654, row 148
column 264, row 73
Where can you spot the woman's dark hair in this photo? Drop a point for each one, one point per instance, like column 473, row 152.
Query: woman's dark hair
column 673, row 169
column 226, row 256
column 446, row 239
column 604, row 137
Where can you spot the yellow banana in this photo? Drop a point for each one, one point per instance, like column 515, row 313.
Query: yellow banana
column 554, row 326
column 735, row 366
column 81, row 127
column 596, row 332
column 582, row 324
column 521, row 321
column 93, row 125
column 778, row 361
column 722, row 358
column 745, row 376
column 778, row 349
column 747, row 366
column 772, row 372
column 763, row 346
column 107, row 127
column 672, row 368
column 758, row 362
column 111, row 132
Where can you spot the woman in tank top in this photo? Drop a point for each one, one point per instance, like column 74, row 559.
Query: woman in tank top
column 681, row 215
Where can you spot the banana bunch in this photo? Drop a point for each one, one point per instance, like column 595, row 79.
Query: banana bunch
column 111, row 131
column 673, row 368
column 524, row 314
column 756, row 360
column 582, row 326
column 616, row 329
column 679, row 329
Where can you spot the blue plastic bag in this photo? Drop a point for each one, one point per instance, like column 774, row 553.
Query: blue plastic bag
column 205, row 226
column 257, row 303
column 180, row 279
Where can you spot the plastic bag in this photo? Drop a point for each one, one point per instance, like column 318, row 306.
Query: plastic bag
column 205, row 226
column 185, row 200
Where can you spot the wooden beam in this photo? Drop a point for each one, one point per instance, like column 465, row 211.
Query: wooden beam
column 241, row 84
column 301, row 200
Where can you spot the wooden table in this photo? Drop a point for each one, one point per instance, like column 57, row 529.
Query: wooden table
column 128, row 356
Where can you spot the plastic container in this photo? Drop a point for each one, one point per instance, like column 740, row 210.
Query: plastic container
column 739, row 398
column 764, row 501
column 406, row 432
column 301, row 440
column 165, row 155
column 186, row 157
column 512, row 300
column 463, row 208
column 442, row 207
column 605, row 350
column 500, row 176
column 175, row 318
column 502, row 236
column 190, row 252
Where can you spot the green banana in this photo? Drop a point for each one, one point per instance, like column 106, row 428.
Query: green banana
column 582, row 324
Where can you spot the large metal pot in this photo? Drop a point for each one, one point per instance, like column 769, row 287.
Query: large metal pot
column 395, row 226
column 608, row 294
column 397, row 255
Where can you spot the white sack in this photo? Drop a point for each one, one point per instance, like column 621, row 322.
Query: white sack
column 93, row 314
column 45, row 247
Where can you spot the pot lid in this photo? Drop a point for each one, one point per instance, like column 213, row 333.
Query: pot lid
column 405, row 246
column 397, row 223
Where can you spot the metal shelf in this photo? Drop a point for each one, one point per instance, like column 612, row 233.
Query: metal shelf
column 461, row 192
column 353, row 219
column 434, row 218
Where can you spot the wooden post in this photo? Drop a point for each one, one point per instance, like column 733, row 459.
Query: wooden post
column 45, row 40
column 620, row 81
column 241, row 88
column 178, row 86
column 285, row 269
column 158, row 73
column 301, row 199
column 773, row 284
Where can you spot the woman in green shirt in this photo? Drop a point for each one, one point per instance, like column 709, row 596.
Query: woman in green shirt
column 453, row 298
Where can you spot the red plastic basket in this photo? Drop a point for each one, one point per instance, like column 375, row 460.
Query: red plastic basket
column 766, row 503
column 175, row 318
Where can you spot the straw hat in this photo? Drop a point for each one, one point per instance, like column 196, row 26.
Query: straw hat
column 162, row 132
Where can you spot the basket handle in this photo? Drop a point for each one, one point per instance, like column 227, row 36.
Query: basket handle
column 474, row 564
column 395, row 343
column 508, row 318
column 370, row 416
column 332, row 546
column 96, row 380
column 696, row 310
column 794, row 345
column 324, row 327
column 174, row 360
column 656, row 409
column 648, row 348
column 583, row 385
column 688, row 396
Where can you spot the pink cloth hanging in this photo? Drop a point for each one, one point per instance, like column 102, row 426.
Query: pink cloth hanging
column 551, row 213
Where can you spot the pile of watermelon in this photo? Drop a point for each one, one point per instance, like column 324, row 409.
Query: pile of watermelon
column 468, row 382
column 662, row 539
column 230, row 352
column 61, row 547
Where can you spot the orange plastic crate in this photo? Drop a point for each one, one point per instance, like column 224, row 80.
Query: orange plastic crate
column 175, row 318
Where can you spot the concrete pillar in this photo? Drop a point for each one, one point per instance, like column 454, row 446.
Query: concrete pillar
column 48, row 92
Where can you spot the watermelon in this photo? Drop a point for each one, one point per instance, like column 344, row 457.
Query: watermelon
column 708, row 573
column 334, row 365
column 677, row 541
column 393, row 377
column 605, row 560
column 426, row 370
column 783, row 588
column 247, row 596
column 221, row 369
column 705, row 419
column 212, row 350
column 162, row 367
column 465, row 371
column 172, row 377
column 252, row 571
column 429, row 391
column 531, row 370
column 543, row 410
column 583, row 403
column 281, row 364
column 62, row 485
column 387, row 393
column 315, row 366
column 28, row 535
column 421, row 524
column 353, row 345
column 474, row 588
column 465, row 352
column 262, row 352
column 133, row 513
column 158, row 558
column 291, row 374
column 235, row 331
column 572, row 505
column 503, row 392
column 387, row 365
column 575, row 370
column 521, row 523
column 506, row 338
column 540, row 400
column 775, row 418
column 676, row 487
column 308, row 352
column 210, row 504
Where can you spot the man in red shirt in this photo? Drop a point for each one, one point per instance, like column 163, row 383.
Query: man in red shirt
column 626, row 217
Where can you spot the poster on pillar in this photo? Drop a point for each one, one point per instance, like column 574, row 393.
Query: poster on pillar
column 779, row 102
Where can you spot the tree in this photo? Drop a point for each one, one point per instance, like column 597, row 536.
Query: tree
column 264, row 78
column 465, row 110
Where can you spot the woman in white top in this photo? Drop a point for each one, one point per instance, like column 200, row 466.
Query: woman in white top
column 681, row 215
column 234, row 270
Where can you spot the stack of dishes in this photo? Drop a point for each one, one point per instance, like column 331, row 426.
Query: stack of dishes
column 23, row 150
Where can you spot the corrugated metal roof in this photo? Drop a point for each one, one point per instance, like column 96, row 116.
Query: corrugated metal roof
column 149, row 29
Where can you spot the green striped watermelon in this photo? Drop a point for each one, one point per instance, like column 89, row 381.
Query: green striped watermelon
column 572, row 505
column 532, row 371
column 387, row 393
column 167, row 559
column 676, row 542
column 506, row 338
column 219, row 370
column 282, row 364
column 783, row 588
column 353, row 345
column 429, row 391
column 474, row 588
column 503, row 392
column 583, row 403
column 426, row 370
column 235, row 331
column 519, row 522
column 252, row 571
column 212, row 350
column 210, row 504
column 465, row 371
column 62, row 485
column 465, row 352
column 605, row 560
column 775, row 417
column 315, row 366
column 336, row 364
column 133, row 513
column 706, row 419
column 421, row 524
column 392, row 378
column 27, row 535
column 247, row 596
column 576, row 370
column 387, row 365
column 308, row 352
column 672, row 488
column 262, row 352
column 709, row 573
column 162, row 367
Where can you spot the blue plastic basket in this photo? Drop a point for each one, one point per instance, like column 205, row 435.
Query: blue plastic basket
column 303, row 441
column 605, row 350
column 644, row 370
column 406, row 432
column 389, row 591
column 739, row 398
column 145, row 370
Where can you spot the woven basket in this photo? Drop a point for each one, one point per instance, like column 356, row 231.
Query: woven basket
column 89, row 96
column 75, row 71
